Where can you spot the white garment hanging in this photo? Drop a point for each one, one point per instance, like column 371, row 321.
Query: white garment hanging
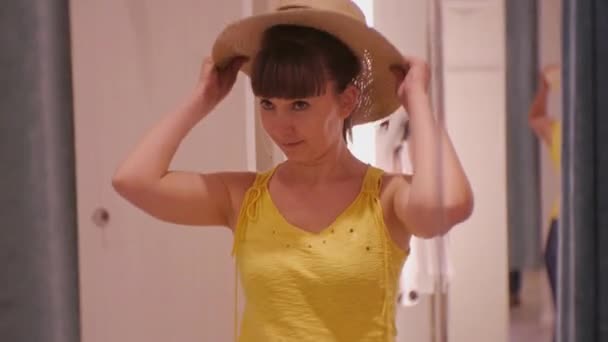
column 422, row 269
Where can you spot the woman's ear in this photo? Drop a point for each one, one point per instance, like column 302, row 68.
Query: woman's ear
column 348, row 100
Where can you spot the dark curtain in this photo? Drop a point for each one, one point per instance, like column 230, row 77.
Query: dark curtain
column 583, row 259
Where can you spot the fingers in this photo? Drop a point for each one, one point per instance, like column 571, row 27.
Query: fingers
column 399, row 71
column 238, row 62
column 233, row 65
column 228, row 73
column 411, row 61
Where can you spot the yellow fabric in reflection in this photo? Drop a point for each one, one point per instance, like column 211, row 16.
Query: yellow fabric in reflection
column 555, row 151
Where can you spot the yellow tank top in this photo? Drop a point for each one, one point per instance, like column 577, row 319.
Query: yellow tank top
column 337, row 285
column 555, row 151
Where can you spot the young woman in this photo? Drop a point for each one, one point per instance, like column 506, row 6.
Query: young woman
column 319, row 239
column 548, row 130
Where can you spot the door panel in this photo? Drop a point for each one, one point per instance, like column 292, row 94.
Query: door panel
column 141, row 279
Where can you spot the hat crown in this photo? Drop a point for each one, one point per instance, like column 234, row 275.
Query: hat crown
column 340, row 18
column 343, row 7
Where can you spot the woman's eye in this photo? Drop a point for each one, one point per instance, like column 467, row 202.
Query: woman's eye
column 267, row 105
column 300, row 105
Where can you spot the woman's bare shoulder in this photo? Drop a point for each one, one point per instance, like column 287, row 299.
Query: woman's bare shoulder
column 237, row 183
column 391, row 181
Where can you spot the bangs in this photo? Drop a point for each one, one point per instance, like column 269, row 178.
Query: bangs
column 296, row 62
column 288, row 70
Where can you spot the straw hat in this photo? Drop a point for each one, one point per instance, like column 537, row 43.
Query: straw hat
column 344, row 20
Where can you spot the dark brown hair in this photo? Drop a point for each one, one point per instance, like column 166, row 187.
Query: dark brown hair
column 297, row 62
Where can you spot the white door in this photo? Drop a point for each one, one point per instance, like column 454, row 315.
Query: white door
column 141, row 279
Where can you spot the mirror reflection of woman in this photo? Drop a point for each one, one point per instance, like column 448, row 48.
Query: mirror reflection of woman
column 547, row 129
column 319, row 239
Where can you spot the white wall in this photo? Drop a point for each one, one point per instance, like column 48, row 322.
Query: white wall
column 404, row 24
column 140, row 279
column 475, row 116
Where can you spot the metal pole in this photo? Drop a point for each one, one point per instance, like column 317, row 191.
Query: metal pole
column 439, row 319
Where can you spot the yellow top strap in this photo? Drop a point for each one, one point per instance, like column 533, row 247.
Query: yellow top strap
column 373, row 181
column 555, row 151
column 249, row 212
column 249, row 209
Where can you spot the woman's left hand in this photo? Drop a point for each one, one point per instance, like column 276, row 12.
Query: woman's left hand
column 412, row 77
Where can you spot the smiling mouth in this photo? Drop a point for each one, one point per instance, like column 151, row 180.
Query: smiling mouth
column 293, row 144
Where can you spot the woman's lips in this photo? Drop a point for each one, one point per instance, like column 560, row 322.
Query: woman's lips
column 293, row 144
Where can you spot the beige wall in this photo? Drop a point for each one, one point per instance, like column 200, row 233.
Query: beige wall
column 404, row 24
column 475, row 115
column 475, row 111
column 133, row 61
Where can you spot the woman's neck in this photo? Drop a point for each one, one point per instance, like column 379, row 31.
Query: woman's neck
column 337, row 163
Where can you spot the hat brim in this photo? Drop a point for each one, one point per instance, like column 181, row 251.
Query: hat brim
column 243, row 38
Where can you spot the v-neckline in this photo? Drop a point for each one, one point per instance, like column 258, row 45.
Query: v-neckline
column 331, row 225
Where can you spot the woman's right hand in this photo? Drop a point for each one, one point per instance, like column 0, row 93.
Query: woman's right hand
column 215, row 83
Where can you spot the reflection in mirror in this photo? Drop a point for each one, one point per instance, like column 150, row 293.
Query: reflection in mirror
column 534, row 164
column 474, row 113
column 532, row 133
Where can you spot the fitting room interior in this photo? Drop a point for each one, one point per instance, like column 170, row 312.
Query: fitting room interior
column 143, row 280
